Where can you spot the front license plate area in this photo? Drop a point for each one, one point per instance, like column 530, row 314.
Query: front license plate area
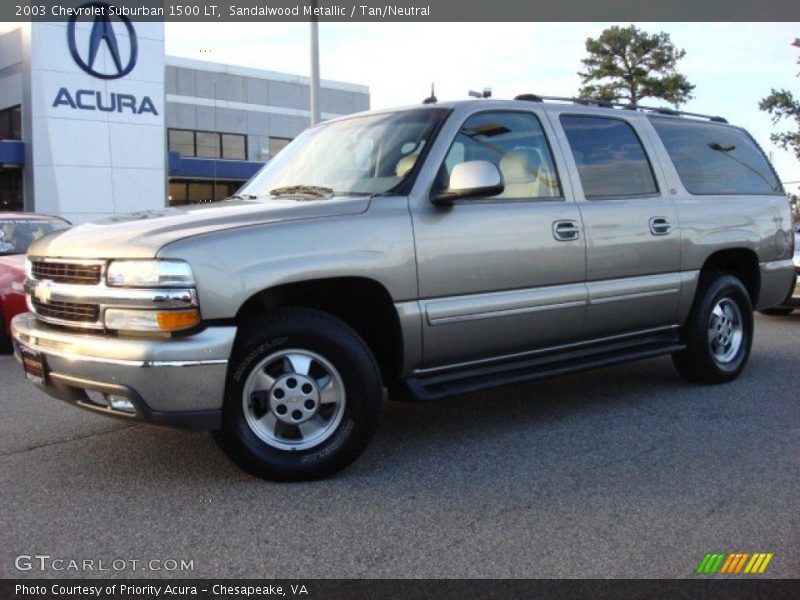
column 35, row 365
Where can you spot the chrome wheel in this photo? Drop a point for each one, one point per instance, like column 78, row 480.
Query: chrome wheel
column 294, row 399
column 725, row 331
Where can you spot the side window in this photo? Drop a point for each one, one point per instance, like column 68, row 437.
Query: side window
column 712, row 158
column 516, row 144
column 609, row 155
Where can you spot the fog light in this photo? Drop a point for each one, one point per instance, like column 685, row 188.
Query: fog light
column 96, row 398
column 121, row 403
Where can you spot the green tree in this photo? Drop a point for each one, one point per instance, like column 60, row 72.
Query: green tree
column 628, row 64
column 781, row 104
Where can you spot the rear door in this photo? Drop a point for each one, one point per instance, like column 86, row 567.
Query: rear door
column 632, row 229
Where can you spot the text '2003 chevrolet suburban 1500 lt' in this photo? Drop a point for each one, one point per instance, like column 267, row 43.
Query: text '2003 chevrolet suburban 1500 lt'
column 430, row 250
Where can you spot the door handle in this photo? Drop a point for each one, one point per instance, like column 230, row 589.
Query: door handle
column 566, row 231
column 660, row 226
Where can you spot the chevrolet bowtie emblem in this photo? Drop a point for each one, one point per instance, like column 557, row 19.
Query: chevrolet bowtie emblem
column 42, row 292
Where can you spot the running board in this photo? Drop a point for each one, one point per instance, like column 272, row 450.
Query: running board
column 426, row 387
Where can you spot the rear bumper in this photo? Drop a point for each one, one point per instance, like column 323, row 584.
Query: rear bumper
column 177, row 382
column 778, row 279
column 793, row 301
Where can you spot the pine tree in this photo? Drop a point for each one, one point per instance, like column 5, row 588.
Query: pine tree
column 626, row 64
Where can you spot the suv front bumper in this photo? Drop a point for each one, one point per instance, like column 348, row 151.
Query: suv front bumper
column 178, row 382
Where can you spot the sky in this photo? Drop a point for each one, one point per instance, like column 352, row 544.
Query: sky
column 733, row 65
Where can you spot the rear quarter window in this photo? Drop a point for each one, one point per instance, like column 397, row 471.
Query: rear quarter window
column 712, row 158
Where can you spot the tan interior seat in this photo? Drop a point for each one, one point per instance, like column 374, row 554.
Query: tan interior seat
column 519, row 169
column 525, row 175
column 405, row 164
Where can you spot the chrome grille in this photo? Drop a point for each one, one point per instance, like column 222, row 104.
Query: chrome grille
column 66, row 272
column 73, row 312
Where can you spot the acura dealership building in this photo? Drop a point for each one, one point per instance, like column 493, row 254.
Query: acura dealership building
column 95, row 120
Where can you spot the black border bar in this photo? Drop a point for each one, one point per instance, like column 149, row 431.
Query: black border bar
column 408, row 10
column 702, row 587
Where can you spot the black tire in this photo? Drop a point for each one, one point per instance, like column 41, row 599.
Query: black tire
column 697, row 362
column 330, row 338
column 776, row 312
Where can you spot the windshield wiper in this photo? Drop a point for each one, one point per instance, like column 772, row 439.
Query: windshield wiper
column 303, row 190
column 242, row 197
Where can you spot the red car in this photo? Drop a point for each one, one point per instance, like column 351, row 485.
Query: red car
column 17, row 232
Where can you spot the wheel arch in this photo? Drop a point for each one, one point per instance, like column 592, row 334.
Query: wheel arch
column 363, row 303
column 740, row 262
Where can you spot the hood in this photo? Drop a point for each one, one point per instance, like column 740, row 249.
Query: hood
column 143, row 234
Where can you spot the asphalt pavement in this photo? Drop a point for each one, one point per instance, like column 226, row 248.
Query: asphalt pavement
column 623, row 472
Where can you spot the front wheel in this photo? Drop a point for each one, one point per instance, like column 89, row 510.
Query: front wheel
column 718, row 333
column 303, row 396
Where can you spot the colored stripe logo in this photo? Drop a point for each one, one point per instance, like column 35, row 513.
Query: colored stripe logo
column 734, row 563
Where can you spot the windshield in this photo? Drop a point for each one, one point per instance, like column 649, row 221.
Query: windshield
column 361, row 155
column 16, row 235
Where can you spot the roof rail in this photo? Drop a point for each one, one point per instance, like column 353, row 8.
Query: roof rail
column 584, row 101
column 662, row 110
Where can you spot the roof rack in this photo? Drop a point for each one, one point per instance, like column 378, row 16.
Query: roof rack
column 662, row 110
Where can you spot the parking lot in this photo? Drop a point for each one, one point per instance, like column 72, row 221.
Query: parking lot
column 622, row 472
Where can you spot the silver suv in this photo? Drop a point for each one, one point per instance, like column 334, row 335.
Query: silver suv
column 431, row 250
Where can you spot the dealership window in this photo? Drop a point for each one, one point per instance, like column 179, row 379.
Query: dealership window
column 712, row 158
column 610, row 158
column 11, row 189
column 181, row 141
column 199, row 191
column 276, row 144
column 234, row 146
column 208, row 144
column 11, row 123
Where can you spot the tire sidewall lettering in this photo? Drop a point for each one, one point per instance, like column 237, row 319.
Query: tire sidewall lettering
column 247, row 361
column 340, row 437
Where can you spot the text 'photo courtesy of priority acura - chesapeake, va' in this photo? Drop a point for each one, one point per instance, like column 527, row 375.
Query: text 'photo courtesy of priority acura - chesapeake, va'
column 423, row 251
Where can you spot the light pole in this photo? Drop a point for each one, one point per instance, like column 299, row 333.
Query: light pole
column 315, row 112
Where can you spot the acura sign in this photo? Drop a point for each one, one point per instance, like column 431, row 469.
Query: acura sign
column 97, row 114
column 95, row 100
column 121, row 59
column 103, row 33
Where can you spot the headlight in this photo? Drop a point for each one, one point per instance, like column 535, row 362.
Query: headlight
column 28, row 268
column 149, row 273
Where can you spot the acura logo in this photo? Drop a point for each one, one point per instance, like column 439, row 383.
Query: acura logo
column 103, row 35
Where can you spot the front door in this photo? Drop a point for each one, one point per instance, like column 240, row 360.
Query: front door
column 502, row 274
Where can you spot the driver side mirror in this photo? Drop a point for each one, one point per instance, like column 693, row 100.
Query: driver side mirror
column 471, row 179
